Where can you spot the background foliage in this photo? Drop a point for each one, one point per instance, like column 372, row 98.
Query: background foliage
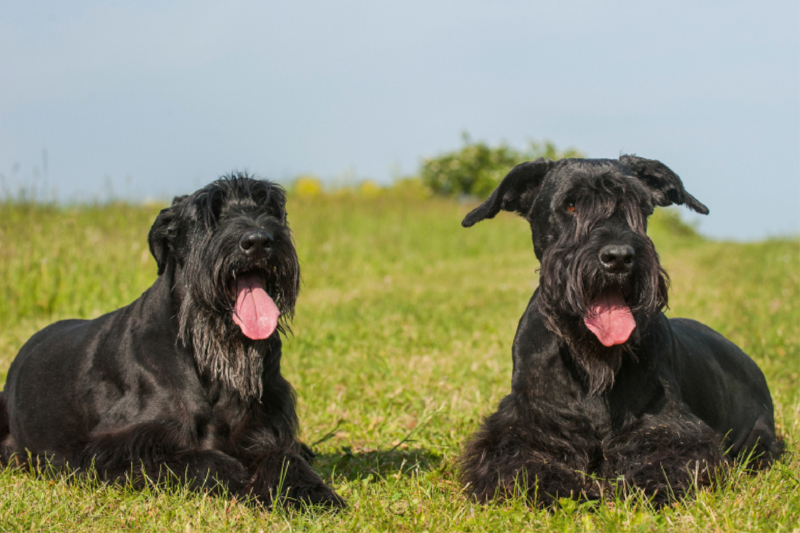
column 402, row 342
column 477, row 168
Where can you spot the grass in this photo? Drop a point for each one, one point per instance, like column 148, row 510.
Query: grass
column 402, row 343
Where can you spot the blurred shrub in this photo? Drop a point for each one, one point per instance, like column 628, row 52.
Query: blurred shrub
column 369, row 188
column 307, row 186
column 409, row 187
column 477, row 168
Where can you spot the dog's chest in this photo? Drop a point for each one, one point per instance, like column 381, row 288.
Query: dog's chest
column 225, row 413
column 596, row 410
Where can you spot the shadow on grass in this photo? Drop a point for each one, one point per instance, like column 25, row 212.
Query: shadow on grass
column 357, row 465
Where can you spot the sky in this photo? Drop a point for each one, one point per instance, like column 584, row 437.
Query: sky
column 146, row 100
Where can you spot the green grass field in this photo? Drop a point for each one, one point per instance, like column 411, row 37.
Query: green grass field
column 402, row 343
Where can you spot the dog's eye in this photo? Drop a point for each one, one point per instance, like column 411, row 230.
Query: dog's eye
column 570, row 206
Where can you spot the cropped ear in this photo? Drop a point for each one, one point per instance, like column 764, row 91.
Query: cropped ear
column 162, row 232
column 516, row 192
column 665, row 186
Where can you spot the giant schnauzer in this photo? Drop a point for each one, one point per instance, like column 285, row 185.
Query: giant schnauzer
column 186, row 380
column 604, row 386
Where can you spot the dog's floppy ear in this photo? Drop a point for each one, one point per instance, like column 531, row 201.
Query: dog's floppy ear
column 665, row 186
column 162, row 232
column 516, row 192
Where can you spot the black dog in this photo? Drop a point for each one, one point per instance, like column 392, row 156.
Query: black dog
column 186, row 380
column 604, row 385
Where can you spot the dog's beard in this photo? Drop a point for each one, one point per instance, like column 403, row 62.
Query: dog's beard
column 221, row 350
column 599, row 363
column 571, row 279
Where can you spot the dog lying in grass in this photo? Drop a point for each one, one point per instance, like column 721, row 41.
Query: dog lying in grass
column 186, row 380
column 604, row 386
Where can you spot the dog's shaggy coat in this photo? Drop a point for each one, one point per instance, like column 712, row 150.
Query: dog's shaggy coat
column 604, row 386
column 186, row 380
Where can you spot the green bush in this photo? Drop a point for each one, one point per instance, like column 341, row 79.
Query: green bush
column 477, row 168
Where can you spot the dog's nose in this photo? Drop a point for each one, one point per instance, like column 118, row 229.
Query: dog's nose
column 255, row 242
column 617, row 258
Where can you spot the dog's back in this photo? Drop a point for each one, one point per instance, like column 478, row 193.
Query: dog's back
column 725, row 388
column 75, row 378
column 41, row 390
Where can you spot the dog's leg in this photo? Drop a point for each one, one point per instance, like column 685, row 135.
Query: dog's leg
column 761, row 448
column 665, row 455
column 5, row 432
column 280, row 470
column 540, row 452
column 157, row 452
column 279, row 465
column 307, row 453
column 284, row 475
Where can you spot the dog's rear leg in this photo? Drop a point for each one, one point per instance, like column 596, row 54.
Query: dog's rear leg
column 665, row 457
column 284, row 475
column 156, row 452
column 5, row 432
column 761, row 447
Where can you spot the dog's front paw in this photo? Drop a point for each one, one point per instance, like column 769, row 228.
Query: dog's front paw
column 317, row 495
column 286, row 477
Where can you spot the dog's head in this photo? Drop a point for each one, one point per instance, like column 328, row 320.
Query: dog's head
column 600, row 276
column 230, row 248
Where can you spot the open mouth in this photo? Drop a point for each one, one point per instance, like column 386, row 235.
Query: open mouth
column 254, row 311
column 610, row 318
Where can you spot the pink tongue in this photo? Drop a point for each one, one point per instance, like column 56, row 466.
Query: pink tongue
column 255, row 312
column 610, row 319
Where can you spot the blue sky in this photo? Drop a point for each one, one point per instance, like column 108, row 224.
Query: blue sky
column 152, row 99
